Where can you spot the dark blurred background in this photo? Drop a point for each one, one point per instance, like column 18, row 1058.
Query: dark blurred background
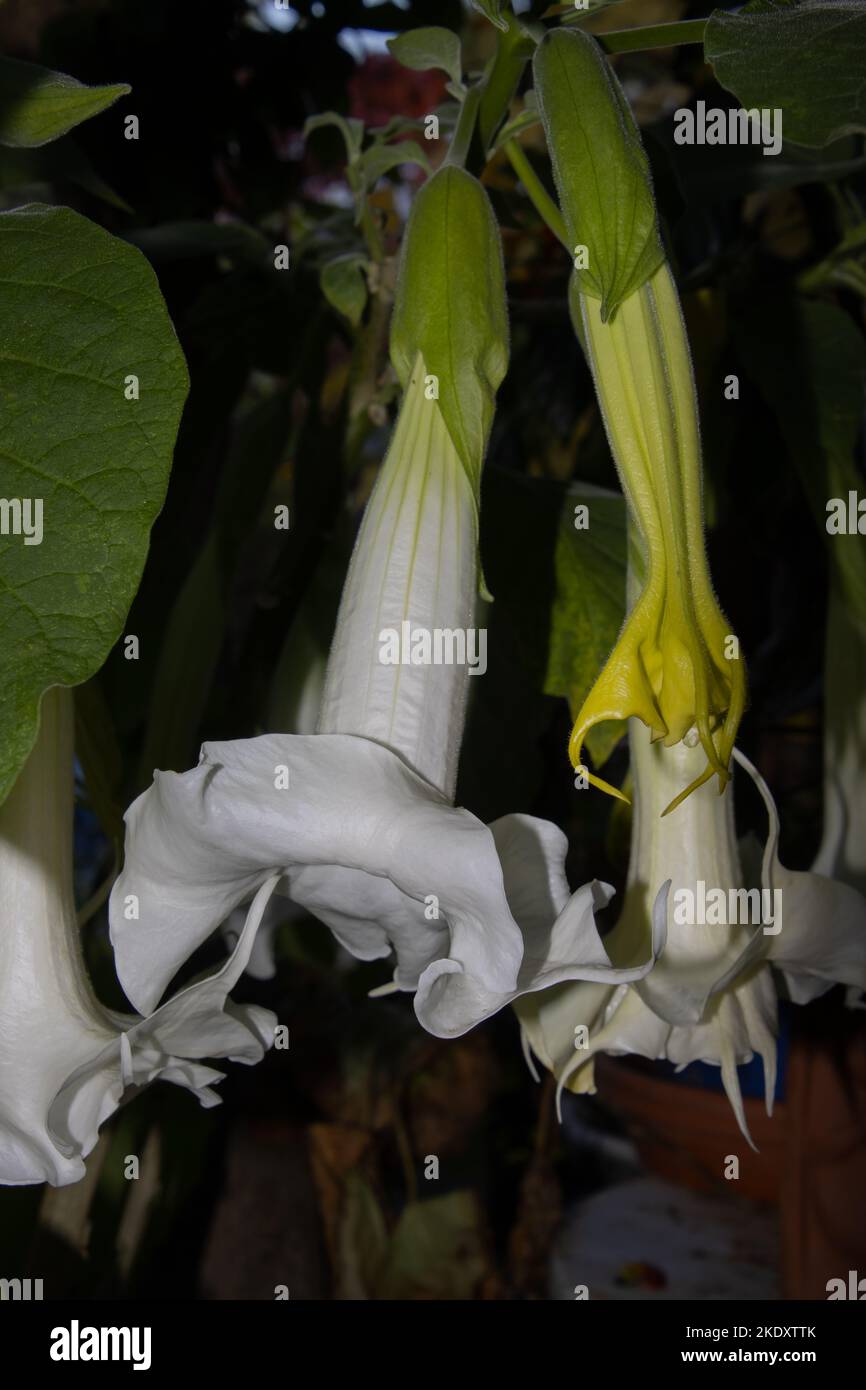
column 312, row 1173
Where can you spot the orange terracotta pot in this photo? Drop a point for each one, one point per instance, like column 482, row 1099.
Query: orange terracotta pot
column 689, row 1135
column 812, row 1153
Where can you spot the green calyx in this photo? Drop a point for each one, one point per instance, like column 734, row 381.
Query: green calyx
column 450, row 307
column 601, row 169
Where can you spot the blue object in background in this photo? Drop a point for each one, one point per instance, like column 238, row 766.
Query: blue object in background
column 751, row 1074
column 90, row 848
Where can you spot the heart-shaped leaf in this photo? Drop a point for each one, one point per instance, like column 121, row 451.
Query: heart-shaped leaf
column 92, row 383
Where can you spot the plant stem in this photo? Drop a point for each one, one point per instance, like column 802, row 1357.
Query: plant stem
column 538, row 194
column 462, row 138
column 653, row 36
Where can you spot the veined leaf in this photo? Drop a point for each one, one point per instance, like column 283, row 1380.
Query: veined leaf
column 805, row 57
column 84, row 466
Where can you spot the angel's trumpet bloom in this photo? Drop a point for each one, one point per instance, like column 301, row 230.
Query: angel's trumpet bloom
column 711, row 996
column 358, row 817
column 676, row 665
column 65, row 1061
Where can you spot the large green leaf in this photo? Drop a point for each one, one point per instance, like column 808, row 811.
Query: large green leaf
column 82, row 314
column 589, row 607
column 805, row 57
column 37, row 105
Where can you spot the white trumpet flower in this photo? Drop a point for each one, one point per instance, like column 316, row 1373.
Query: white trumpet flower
column 358, row 817
column 711, row 996
column 65, row 1061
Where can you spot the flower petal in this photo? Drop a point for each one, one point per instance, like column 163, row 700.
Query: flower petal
column 557, row 945
column 362, row 839
column 823, row 937
column 200, row 1021
column 619, row 1023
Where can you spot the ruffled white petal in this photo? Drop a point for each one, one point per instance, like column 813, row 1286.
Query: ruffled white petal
column 823, row 937
column 557, row 945
column 362, row 840
column 199, row 1021
column 473, row 915
column 738, row 1023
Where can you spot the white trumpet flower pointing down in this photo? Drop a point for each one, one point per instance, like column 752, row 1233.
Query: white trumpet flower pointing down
column 711, row 996
column 65, row 1061
column 358, row 818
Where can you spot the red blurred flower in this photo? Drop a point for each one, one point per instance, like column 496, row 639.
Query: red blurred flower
column 381, row 88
